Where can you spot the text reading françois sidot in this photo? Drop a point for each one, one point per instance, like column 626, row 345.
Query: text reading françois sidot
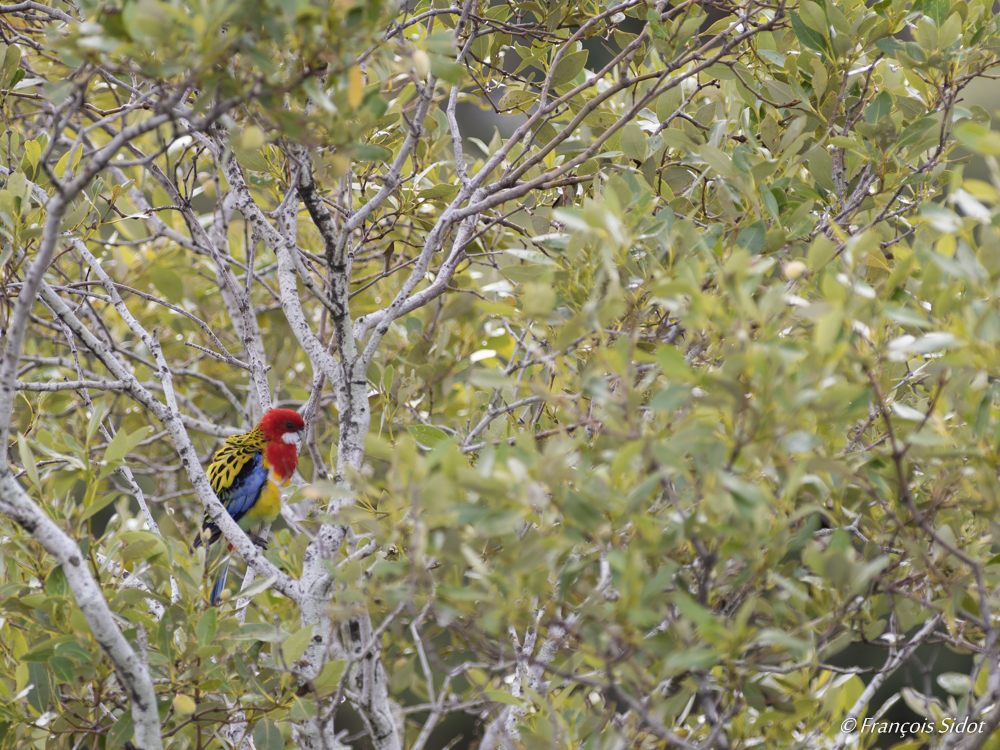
column 906, row 728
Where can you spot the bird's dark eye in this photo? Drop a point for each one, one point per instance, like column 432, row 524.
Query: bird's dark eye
column 289, row 426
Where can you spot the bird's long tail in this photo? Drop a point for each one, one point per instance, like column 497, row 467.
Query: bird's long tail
column 220, row 584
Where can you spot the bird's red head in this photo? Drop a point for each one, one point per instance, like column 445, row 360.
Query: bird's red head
column 283, row 429
column 278, row 423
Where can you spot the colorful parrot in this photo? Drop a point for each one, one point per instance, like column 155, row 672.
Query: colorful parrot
column 248, row 473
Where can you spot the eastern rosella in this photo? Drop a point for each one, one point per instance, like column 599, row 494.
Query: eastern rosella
column 248, row 473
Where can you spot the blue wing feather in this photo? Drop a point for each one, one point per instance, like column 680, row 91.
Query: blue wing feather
column 246, row 488
column 220, row 584
column 238, row 477
column 240, row 496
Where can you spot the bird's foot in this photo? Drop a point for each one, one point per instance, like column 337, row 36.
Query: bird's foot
column 259, row 541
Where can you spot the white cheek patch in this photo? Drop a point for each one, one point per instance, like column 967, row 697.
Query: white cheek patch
column 292, row 438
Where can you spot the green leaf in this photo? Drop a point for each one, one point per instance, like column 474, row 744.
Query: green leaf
column 32, row 153
column 447, row 70
column 808, row 37
column 41, row 695
column 296, row 645
column 828, row 329
column 71, row 649
column 490, row 379
column 689, row 28
column 100, row 410
column 11, row 60
column 17, row 183
column 444, row 190
column 302, row 709
column 141, row 545
column 114, row 453
column 426, row 435
column 819, row 79
column 137, row 437
column 914, row 132
column 889, row 47
column 64, row 163
column 329, row 677
column 168, row 283
column 521, row 273
column 27, row 459
column 907, row 316
column 633, row 142
column 581, row 512
column 121, row 731
column 259, row 632
column 937, row 11
column 56, row 584
column 954, row 683
column 671, row 398
column 62, row 669
column 812, row 15
column 569, row 67
column 752, row 238
column 880, row 106
column 99, row 504
column 908, row 413
column 252, row 159
column 692, row 658
column 514, row 98
column 771, row 204
column 267, row 737
column 772, row 56
column 719, row 161
column 673, row 364
column 206, row 627
column 77, row 215
column 978, row 138
column 821, row 167
column 502, row 696
column 921, row 704
column 745, row 492
column 372, row 152
column 44, row 650
column 258, row 586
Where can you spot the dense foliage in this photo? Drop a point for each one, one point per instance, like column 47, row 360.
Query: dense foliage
column 623, row 424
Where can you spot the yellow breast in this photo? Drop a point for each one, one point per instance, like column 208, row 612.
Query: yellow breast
column 268, row 505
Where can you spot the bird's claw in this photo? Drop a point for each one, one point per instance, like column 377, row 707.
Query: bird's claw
column 259, row 541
